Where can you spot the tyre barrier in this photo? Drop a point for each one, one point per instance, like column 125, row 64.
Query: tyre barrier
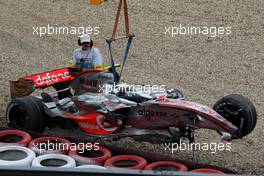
column 54, row 160
column 207, row 170
column 126, row 162
column 50, row 145
column 14, row 137
column 84, row 157
column 16, row 156
column 13, row 153
column 167, row 165
column 91, row 167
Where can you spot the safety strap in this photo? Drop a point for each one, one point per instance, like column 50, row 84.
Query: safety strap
column 109, row 42
column 126, row 52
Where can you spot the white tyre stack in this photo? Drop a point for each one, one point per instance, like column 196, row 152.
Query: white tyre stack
column 11, row 156
column 68, row 162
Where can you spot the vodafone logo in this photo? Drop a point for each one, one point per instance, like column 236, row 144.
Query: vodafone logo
column 42, row 80
column 49, row 78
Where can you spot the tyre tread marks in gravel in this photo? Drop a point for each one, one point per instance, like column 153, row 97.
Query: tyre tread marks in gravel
column 30, row 155
column 91, row 160
column 70, row 162
column 26, row 138
column 249, row 111
column 63, row 144
column 35, row 112
column 141, row 162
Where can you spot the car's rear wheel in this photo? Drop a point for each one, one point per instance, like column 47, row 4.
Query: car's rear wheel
column 238, row 110
column 26, row 113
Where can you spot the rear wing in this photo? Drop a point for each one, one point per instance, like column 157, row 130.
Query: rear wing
column 46, row 79
column 27, row 85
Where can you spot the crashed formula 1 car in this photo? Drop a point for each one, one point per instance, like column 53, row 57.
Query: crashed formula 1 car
column 102, row 108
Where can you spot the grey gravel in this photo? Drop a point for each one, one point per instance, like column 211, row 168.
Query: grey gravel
column 205, row 68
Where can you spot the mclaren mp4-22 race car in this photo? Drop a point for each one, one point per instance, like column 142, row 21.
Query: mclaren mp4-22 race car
column 95, row 103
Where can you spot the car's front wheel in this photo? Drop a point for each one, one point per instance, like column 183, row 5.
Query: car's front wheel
column 238, row 110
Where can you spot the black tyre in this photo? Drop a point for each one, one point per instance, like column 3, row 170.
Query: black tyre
column 238, row 110
column 26, row 113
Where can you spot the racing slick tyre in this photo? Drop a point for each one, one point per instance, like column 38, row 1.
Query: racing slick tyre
column 207, row 170
column 90, row 156
column 238, row 110
column 16, row 156
column 50, row 145
column 14, row 137
column 126, row 162
column 54, row 160
column 26, row 113
column 167, row 165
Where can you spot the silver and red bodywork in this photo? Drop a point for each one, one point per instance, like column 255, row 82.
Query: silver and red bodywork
column 157, row 113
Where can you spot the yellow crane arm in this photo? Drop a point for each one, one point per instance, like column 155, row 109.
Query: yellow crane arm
column 96, row 2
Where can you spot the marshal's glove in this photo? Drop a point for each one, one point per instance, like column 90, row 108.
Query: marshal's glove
column 72, row 64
